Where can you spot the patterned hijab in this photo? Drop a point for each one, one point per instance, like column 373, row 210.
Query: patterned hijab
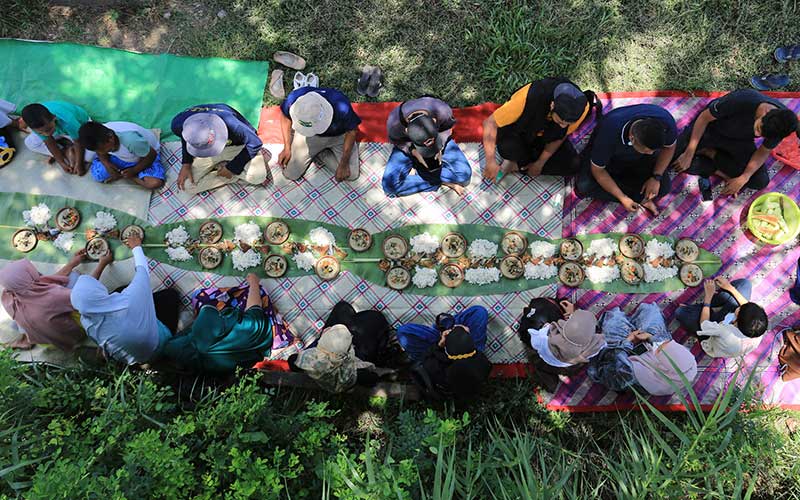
column 333, row 363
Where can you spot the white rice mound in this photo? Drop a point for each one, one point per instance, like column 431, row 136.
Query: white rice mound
column 602, row 274
column 539, row 271
column 655, row 248
column 424, row 243
column 482, row 249
column 424, row 277
column 604, row 247
column 482, row 275
column 542, row 249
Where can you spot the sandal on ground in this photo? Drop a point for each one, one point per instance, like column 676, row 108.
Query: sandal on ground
column 299, row 80
column 312, row 80
column 276, row 84
column 289, row 60
column 787, row 53
column 369, row 83
column 769, row 81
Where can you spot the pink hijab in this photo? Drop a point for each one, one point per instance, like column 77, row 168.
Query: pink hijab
column 40, row 305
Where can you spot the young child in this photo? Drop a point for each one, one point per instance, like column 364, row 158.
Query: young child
column 728, row 324
column 124, row 151
column 55, row 125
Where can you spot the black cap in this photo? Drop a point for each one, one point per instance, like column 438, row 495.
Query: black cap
column 424, row 133
column 569, row 102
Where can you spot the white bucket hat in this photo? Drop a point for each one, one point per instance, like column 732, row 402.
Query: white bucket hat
column 311, row 114
column 205, row 134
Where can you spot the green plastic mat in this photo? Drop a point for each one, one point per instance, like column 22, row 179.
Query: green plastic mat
column 114, row 84
column 364, row 264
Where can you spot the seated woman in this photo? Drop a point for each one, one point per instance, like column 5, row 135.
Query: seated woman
column 560, row 339
column 126, row 325
column 346, row 353
column 40, row 305
column 449, row 358
column 220, row 341
column 641, row 354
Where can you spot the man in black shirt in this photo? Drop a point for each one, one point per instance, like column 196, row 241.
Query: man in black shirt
column 720, row 141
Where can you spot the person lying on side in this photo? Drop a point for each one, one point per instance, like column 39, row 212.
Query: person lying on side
column 559, row 339
column 124, row 151
column 641, row 354
column 55, row 126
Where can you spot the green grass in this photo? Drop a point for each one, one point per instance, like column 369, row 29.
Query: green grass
column 463, row 51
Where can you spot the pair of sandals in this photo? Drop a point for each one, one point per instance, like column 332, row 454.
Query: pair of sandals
column 370, row 82
column 309, row 80
column 772, row 81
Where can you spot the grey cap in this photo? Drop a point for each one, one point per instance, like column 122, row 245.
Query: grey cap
column 205, row 134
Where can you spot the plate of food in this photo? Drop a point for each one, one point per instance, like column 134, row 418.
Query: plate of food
column 514, row 243
column 96, row 248
column 277, row 232
column 210, row 257
column 327, row 268
column 570, row 249
column 275, row 265
column 68, row 218
column 687, row 250
column 451, row 275
column 395, row 247
column 631, row 246
column 631, row 271
column 132, row 230
column 691, row 274
column 398, row 278
column 454, row 245
column 571, row 274
column 360, row 240
column 512, row 267
column 210, row 232
column 24, row 240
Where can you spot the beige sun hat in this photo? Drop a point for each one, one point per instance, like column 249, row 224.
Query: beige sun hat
column 311, row 114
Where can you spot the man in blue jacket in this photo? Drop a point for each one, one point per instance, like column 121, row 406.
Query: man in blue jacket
column 219, row 146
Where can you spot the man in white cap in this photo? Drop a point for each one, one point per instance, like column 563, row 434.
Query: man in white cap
column 324, row 126
column 219, row 147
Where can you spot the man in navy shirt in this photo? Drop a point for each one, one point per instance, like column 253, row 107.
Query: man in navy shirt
column 721, row 140
column 219, row 147
column 629, row 154
column 324, row 126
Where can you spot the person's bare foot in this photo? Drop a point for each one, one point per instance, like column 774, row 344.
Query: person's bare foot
column 22, row 344
column 459, row 189
column 650, row 206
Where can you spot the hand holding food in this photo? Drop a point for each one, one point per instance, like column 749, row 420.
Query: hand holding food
column 567, row 307
column 710, row 288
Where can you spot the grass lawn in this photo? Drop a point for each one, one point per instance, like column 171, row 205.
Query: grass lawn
column 463, row 51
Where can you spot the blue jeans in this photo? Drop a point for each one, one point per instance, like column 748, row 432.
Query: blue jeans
column 416, row 340
column 616, row 325
column 397, row 181
column 722, row 304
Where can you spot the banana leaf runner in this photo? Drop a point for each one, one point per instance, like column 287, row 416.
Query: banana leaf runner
column 363, row 264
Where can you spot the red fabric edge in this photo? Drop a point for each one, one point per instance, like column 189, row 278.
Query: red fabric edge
column 469, row 120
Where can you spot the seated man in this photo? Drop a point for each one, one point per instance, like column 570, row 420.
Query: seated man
column 219, row 147
column 720, row 140
column 420, row 131
column 530, row 130
column 55, row 125
column 727, row 322
column 629, row 153
column 325, row 125
column 124, row 151
column 449, row 359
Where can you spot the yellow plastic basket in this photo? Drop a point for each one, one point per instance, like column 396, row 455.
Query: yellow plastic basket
column 791, row 215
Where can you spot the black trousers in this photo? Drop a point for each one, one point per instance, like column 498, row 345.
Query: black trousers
column 168, row 307
column 631, row 184
column 370, row 331
column 511, row 146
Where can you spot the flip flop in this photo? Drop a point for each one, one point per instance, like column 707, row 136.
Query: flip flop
column 276, row 84
column 299, row 80
column 312, row 80
column 289, row 60
column 365, row 82
column 375, row 83
column 787, row 53
column 769, row 81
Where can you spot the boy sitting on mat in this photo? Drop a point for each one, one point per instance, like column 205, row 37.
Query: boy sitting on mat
column 325, row 127
column 124, row 151
column 728, row 324
column 420, row 130
column 720, row 140
column 629, row 153
column 55, row 126
column 530, row 130
column 219, row 147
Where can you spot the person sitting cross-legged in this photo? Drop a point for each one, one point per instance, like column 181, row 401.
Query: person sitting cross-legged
column 628, row 156
column 124, row 151
column 420, row 130
column 55, row 126
column 219, row 146
column 319, row 125
column 720, row 140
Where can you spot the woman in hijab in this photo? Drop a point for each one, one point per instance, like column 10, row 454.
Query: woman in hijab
column 641, row 354
column 40, row 304
column 350, row 346
column 449, row 358
column 126, row 325
column 221, row 340
column 559, row 338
